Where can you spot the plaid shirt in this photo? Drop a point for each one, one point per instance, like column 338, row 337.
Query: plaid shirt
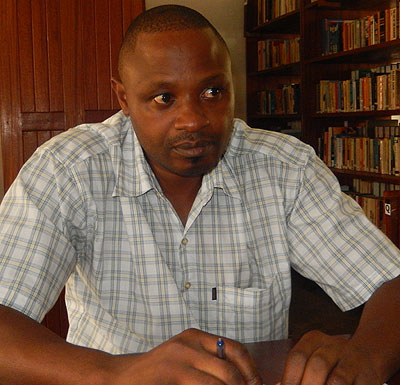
column 87, row 211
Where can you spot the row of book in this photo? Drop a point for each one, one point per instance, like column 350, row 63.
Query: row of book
column 378, row 128
column 368, row 89
column 369, row 195
column 371, row 188
column 277, row 52
column 342, row 148
column 292, row 128
column 346, row 34
column 372, row 207
column 281, row 100
column 268, row 10
column 285, row 126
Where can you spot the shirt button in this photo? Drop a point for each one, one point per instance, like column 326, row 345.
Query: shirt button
column 188, row 285
column 184, row 241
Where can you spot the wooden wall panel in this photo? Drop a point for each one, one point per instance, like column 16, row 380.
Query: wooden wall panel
column 90, row 57
column 31, row 140
column 44, row 136
column 10, row 106
column 29, row 144
column 72, row 63
column 25, row 51
column 104, row 25
column 130, row 10
column 54, row 53
column 57, row 60
column 38, row 121
column 103, row 69
column 40, row 57
column 116, row 35
column 1, row 175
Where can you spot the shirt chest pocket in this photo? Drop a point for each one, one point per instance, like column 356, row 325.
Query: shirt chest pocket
column 246, row 314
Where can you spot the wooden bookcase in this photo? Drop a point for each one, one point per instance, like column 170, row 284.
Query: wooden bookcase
column 306, row 22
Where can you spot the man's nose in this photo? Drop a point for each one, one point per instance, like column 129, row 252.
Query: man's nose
column 190, row 116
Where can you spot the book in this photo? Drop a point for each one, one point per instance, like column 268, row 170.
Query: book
column 371, row 146
column 348, row 34
column 332, row 36
column 368, row 89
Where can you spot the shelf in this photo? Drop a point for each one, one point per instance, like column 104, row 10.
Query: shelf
column 366, row 4
column 348, row 4
column 288, row 23
column 324, row 4
column 275, row 116
column 367, row 175
column 378, row 53
column 288, row 69
column 355, row 114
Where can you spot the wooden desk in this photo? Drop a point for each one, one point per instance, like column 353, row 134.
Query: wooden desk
column 270, row 359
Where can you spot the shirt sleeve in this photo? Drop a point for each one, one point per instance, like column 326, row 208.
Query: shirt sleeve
column 333, row 243
column 41, row 235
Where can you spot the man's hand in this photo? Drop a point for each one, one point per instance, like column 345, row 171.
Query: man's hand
column 30, row 354
column 319, row 359
column 369, row 357
column 188, row 359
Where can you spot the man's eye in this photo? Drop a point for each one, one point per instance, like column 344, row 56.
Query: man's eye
column 211, row 92
column 163, row 98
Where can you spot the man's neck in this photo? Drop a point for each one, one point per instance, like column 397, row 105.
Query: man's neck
column 181, row 192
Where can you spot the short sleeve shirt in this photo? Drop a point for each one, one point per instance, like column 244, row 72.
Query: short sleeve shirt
column 87, row 212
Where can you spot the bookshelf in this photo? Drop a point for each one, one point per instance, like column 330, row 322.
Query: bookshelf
column 347, row 81
column 273, row 68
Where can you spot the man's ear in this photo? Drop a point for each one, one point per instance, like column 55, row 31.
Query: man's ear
column 120, row 92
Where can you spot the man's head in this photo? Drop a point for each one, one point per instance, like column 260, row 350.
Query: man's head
column 162, row 19
column 176, row 86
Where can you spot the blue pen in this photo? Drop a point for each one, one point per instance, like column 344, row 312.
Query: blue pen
column 221, row 348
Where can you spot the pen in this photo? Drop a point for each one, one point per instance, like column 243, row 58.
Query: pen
column 221, row 348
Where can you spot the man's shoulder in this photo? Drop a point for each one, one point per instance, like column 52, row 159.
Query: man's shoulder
column 87, row 140
column 269, row 144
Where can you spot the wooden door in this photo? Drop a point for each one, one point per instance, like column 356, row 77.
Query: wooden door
column 55, row 67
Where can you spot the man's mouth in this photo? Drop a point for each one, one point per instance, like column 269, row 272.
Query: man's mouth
column 192, row 149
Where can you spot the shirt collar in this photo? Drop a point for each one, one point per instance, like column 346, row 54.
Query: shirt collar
column 135, row 177
column 222, row 177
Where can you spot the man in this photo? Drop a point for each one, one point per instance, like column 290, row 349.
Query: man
column 171, row 217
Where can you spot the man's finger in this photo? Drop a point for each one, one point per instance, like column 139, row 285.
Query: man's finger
column 240, row 356
column 311, row 359
column 321, row 363
column 236, row 353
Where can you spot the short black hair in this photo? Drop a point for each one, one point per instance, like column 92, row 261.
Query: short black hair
column 161, row 19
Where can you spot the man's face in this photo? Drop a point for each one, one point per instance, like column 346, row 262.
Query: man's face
column 177, row 89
